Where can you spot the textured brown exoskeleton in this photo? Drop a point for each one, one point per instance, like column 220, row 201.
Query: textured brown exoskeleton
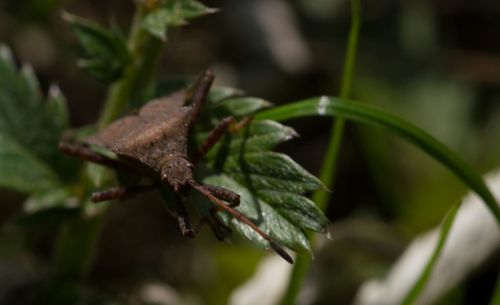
column 154, row 143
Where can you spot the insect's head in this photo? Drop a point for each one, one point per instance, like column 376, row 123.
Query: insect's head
column 177, row 172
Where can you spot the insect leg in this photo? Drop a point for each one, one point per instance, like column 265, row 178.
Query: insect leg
column 221, row 231
column 121, row 192
column 199, row 93
column 227, row 123
column 224, row 194
column 274, row 244
column 85, row 153
column 183, row 218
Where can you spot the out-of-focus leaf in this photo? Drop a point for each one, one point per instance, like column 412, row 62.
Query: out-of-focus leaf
column 48, row 207
column 158, row 21
column 218, row 94
column 22, row 171
column 172, row 13
column 58, row 107
column 242, row 106
column 106, row 50
column 57, row 197
column 30, row 129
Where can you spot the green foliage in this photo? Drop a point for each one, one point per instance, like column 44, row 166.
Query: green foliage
column 106, row 50
column 369, row 115
column 171, row 13
column 270, row 184
column 30, row 129
column 22, row 171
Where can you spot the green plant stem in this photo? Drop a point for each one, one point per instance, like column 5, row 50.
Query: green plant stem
column 75, row 248
column 78, row 238
column 145, row 51
column 329, row 165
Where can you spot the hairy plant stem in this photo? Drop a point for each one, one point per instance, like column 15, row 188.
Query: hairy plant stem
column 78, row 238
column 329, row 165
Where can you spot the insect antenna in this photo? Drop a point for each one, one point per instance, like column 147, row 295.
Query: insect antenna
column 275, row 245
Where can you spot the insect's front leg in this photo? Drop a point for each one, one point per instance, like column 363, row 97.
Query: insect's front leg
column 183, row 217
column 199, row 93
column 84, row 152
column 226, row 124
column 222, row 193
column 121, row 192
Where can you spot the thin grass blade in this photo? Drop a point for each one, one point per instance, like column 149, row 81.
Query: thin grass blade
column 419, row 285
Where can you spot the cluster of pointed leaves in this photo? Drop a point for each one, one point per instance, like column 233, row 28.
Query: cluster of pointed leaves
column 163, row 14
column 30, row 129
column 271, row 184
column 105, row 49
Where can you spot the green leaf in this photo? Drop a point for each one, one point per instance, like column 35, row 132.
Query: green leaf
column 363, row 113
column 270, row 170
column 263, row 214
column 241, row 106
column 22, row 171
column 106, row 49
column 261, row 136
column 55, row 197
column 30, row 129
column 57, row 106
column 158, row 21
column 218, row 94
column 298, row 210
column 172, row 13
column 419, row 285
column 270, row 184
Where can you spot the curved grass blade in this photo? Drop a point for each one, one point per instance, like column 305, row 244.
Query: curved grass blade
column 362, row 113
column 495, row 299
column 419, row 285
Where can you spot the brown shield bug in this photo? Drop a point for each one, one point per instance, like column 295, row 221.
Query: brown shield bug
column 154, row 142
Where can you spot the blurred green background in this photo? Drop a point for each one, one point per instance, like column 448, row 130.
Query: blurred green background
column 434, row 63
